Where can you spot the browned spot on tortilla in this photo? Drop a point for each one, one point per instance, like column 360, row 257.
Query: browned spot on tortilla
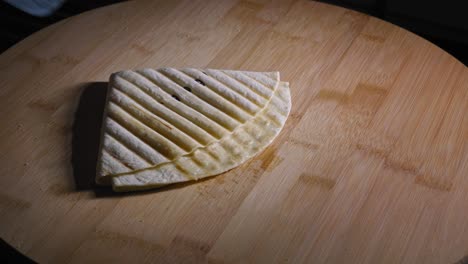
column 318, row 181
column 43, row 105
column 166, row 125
column 433, row 183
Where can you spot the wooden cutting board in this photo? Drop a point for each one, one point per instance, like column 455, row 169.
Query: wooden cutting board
column 372, row 166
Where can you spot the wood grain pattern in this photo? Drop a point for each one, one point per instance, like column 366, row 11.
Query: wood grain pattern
column 372, row 166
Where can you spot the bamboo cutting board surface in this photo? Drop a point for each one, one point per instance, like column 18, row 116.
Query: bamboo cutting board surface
column 372, row 166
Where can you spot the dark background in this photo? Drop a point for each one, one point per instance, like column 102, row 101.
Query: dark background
column 444, row 23
column 16, row 25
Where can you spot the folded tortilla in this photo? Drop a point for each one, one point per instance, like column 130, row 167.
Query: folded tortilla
column 168, row 125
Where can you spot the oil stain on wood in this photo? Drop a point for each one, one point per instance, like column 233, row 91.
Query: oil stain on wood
column 330, row 95
column 270, row 159
column 183, row 248
column 366, row 95
column 303, row 143
column 319, row 181
column 64, row 60
column 406, row 166
column 433, row 183
column 43, row 105
column 390, row 161
column 292, row 121
column 372, row 38
column 253, row 169
column 127, row 240
column 142, row 49
column 13, row 202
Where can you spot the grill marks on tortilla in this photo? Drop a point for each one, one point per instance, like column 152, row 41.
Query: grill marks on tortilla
column 238, row 87
column 155, row 116
column 256, row 86
column 190, row 99
column 225, row 113
column 128, row 157
column 179, row 116
column 241, row 103
column 218, row 156
column 160, row 126
column 164, row 146
column 132, row 142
